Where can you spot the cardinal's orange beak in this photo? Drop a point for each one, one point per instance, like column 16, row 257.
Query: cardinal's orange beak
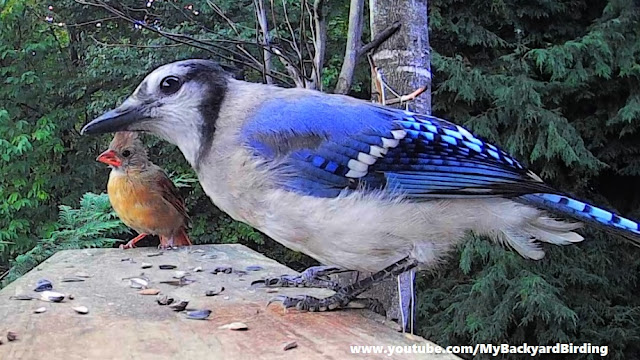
column 109, row 157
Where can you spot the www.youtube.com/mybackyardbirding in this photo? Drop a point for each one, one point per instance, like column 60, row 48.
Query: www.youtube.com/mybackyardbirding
column 353, row 184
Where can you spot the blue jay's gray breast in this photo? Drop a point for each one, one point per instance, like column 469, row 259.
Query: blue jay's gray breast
column 368, row 231
column 364, row 231
column 358, row 230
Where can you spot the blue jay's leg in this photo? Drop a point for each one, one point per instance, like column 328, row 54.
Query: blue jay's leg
column 346, row 294
column 406, row 294
column 315, row 276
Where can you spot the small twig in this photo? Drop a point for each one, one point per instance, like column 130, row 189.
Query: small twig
column 381, row 85
column 220, row 13
column 92, row 22
column 4, row 274
column 134, row 45
column 408, row 97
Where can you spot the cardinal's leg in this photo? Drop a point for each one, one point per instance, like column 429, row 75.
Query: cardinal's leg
column 131, row 244
column 166, row 243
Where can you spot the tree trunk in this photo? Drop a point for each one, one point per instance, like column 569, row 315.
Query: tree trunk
column 405, row 63
column 352, row 48
column 404, row 58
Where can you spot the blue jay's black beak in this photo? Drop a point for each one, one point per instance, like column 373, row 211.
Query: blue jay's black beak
column 112, row 121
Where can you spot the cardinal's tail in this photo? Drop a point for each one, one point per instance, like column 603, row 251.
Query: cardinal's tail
column 181, row 238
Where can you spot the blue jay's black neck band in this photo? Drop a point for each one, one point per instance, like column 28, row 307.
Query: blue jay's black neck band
column 216, row 79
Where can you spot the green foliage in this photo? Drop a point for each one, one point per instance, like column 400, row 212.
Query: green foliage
column 93, row 224
column 555, row 83
column 59, row 75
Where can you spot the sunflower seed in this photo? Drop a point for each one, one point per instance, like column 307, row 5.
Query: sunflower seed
column 12, row 336
column 179, row 306
column 52, row 296
column 234, row 326
column 81, row 309
column 290, row 345
column 198, row 314
column 40, row 310
column 149, row 292
column 215, row 291
column 167, row 267
column 179, row 274
column 222, row 269
column 43, row 285
column 138, row 283
column 164, row 300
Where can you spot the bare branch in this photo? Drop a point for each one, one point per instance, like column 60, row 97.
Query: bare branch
column 380, row 38
column 133, row 45
column 319, row 43
column 92, row 22
column 293, row 43
column 220, row 13
column 352, row 49
column 261, row 16
column 298, row 78
column 187, row 40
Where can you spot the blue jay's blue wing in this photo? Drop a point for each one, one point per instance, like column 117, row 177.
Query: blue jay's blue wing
column 324, row 145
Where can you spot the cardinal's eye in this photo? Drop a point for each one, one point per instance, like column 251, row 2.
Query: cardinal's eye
column 170, row 85
column 126, row 153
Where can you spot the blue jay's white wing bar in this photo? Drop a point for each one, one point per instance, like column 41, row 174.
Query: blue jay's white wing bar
column 415, row 155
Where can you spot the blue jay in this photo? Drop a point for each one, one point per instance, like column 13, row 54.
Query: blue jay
column 355, row 185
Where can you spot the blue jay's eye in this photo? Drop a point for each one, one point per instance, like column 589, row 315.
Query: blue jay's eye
column 170, row 85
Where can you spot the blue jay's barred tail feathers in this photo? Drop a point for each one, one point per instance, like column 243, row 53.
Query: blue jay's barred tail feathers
column 562, row 205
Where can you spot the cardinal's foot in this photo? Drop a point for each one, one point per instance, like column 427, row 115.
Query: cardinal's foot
column 129, row 245
column 334, row 302
column 315, row 276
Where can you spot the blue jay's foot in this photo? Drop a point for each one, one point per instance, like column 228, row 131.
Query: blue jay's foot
column 346, row 296
column 315, row 276
column 310, row 303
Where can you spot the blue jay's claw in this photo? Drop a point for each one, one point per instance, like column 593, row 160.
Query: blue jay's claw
column 315, row 276
column 335, row 302
column 346, row 294
column 310, row 303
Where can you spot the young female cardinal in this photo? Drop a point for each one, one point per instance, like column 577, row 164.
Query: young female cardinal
column 142, row 194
